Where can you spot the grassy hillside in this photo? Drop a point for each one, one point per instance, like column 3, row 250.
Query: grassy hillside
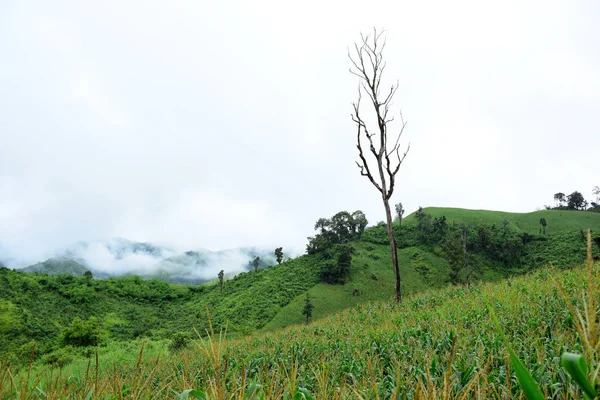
column 371, row 278
column 559, row 221
column 422, row 266
column 56, row 266
column 128, row 308
column 437, row 344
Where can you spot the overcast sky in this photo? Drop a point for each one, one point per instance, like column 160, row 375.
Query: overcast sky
column 218, row 124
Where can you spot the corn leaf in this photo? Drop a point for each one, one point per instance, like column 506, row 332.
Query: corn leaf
column 303, row 394
column 528, row 384
column 576, row 367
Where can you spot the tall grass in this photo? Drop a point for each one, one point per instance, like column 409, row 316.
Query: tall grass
column 440, row 344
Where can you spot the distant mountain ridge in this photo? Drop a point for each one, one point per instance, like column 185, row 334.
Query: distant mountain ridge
column 57, row 266
column 118, row 257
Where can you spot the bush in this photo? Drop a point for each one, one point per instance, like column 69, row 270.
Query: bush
column 82, row 333
column 179, row 341
column 60, row 357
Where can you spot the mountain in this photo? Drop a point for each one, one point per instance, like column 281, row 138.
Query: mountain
column 119, row 257
column 117, row 249
column 195, row 267
column 57, row 266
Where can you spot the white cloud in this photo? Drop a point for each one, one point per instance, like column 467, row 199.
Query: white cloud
column 226, row 124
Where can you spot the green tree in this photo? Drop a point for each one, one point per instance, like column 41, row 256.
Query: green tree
column 399, row 213
column 424, row 225
column 335, row 272
column 575, row 201
column 221, row 276
column 453, row 253
column 82, row 332
column 359, row 223
column 505, row 223
column 256, row 263
column 279, row 254
column 179, row 341
column 88, row 275
column 440, row 228
column 455, row 249
column 560, row 199
column 383, row 151
column 308, row 308
column 544, row 224
column 484, row 238
column 317, row 244
column 343, row 227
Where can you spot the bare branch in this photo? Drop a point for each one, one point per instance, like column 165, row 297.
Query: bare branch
column 396, row 145
column 400, row 161
column 390, row 96
column 360, row 124
column 368, row 65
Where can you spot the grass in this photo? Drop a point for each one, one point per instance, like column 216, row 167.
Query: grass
column 371, row 278
column 266, row 300
column 438, row 344
column 559, row 221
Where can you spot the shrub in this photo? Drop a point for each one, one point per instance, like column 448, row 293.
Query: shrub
column 179, row 341
column 60, row 357
column 82, row 333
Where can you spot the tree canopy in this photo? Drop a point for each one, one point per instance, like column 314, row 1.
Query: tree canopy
column 343, row 227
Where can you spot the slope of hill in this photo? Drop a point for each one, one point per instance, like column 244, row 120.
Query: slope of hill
column 371, row 278
column 270, row 298
column 440, row 343
column 56, row 266
column 559, row 221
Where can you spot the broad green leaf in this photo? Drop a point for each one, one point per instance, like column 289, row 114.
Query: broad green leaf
column 303, row 394
column 576, row 367
column 196, row 394
column 528, row 384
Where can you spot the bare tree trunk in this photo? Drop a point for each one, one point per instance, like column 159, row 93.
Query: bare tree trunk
column 394, row 248
column 369, row 66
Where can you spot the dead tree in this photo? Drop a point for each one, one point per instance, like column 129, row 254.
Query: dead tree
column 368, row 66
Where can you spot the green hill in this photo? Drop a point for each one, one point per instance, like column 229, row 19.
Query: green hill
column 559, row 221
column 437, row 344
column 127, row 308
column 57, row 266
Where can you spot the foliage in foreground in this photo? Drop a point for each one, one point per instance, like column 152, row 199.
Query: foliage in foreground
column 441, row 344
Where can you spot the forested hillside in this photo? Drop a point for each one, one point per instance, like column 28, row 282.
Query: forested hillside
column 347, row 265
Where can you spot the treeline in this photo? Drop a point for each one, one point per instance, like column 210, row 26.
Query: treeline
column 576, row 201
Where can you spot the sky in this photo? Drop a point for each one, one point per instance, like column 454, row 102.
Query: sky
column 221, row 124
